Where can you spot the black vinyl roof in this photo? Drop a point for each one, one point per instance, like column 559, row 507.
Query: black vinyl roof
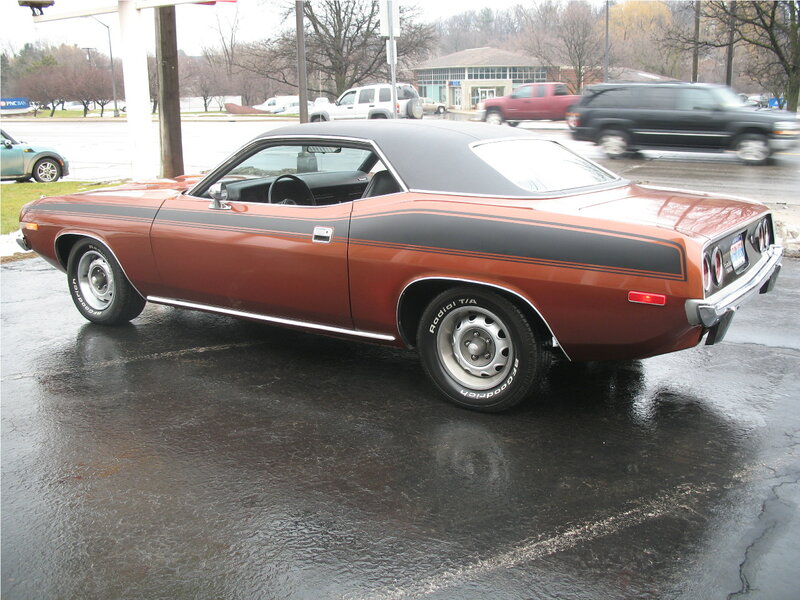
column 433, row 156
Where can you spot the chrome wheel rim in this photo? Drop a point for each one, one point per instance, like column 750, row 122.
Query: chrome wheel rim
column 494, row 118
column 95, row 280
column 614, row 144
column 47, row 171
column 752, row 150
column 475, row 348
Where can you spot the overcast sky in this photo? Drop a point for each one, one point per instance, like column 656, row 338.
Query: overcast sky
column 197, row 25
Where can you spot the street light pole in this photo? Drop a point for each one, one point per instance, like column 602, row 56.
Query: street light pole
column 113, row 72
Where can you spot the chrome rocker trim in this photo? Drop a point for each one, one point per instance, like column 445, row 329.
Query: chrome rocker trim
column 276, row 320
column 710, row 311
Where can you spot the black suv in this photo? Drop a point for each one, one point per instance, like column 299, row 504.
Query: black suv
column 624, row 117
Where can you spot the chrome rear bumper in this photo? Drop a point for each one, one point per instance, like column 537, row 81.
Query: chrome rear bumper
column 717, row 310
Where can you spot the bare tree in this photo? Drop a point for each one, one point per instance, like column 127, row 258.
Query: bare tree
column 476, row 29
column 44, row 86
column 771, row 27
column 343, row 46
column 566, row 35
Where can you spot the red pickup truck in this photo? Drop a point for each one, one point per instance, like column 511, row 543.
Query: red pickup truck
column 530, row 102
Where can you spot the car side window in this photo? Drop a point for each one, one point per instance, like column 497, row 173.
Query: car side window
column 657, row 98
column 613, row 98
column 348, row 98
column 524, row 91
column 385, row 94
column 696, row 99
column 366, row 96
column 561, row 90
column 541, row 91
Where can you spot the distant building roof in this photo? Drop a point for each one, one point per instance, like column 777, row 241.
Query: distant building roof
column 480, row 57
column 616, row 74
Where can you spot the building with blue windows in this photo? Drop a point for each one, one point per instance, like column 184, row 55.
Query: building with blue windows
column 463, row 79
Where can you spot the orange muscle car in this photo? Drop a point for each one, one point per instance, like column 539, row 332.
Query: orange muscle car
column 485, row 248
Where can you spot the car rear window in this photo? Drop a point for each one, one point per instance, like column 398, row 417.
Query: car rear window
column 541, row 165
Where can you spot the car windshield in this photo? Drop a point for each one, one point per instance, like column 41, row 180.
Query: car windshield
column 727, row 97
column 541, row 165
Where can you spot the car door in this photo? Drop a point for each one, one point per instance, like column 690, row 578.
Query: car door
column 345, row 107
column 700, row 119
column 519, row 103
column 365, row 102
column 12, row 158
column 278, row 259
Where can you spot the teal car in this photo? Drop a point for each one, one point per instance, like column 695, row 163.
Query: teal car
column 21, row 161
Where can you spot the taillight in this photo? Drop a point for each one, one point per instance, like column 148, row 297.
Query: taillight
column 647, row 298
column 719, row 266
column 573, row 119
column 706, row 273
column 763, row 239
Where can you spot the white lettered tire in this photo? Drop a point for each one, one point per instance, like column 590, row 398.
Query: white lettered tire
column 99, row 288
column 479, row 349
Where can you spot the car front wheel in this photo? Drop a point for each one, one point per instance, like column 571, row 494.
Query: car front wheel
column 614, row 143
column 752, row 149
column 100, row 290
column 494, row 117
column 479, row 349
column 46, row 170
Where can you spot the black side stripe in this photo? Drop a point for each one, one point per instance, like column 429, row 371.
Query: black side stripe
column 525, row 242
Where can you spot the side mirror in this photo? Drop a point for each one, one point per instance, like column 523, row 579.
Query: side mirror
column 219, row 197
column 7, row 144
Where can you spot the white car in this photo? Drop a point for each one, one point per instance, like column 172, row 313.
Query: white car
column 431, row 105
column 371, row 102
column 278, row 104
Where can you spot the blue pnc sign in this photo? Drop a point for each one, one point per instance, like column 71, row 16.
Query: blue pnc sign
column 12, row 105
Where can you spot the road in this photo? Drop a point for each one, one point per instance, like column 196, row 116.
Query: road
column 191, row 455
column 97, row 150
column 195, row 456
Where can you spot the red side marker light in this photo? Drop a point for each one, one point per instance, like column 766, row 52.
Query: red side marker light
column 647, row 298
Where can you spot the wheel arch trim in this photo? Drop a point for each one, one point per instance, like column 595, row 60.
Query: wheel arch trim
column 80, row 234
column 444, row 278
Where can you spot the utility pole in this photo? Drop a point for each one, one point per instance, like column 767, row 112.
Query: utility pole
column 169, row 99
column 605, row 56
column 302, row 75
column 113, row 73
column 731, row 38
column 696, row 48
column 390, row 27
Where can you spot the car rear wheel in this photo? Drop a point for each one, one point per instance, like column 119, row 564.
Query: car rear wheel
column 440, row 110
column 494, row 117
column 100, row 290
column 614, row 143
column 479, row 349
column 46, row 170
column 752, row 149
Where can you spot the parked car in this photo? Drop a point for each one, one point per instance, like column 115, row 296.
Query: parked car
column 21, row 161
column 530, row 102
column 432, row 106
column 371, row 102
column 277, row 104
column 680, row 116
column 488, row 250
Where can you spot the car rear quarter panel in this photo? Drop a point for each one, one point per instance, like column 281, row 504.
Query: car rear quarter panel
column 575, row 271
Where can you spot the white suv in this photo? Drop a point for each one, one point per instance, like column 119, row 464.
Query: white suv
column 371, row 102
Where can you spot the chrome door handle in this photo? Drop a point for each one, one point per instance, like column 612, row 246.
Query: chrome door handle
column 322, row 235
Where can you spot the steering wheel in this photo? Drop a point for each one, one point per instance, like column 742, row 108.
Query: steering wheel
column 309, row 196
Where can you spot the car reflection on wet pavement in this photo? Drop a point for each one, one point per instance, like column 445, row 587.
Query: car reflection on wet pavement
column 195, row 456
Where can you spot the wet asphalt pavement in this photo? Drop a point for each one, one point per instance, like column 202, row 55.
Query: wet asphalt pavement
column 196, row 456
